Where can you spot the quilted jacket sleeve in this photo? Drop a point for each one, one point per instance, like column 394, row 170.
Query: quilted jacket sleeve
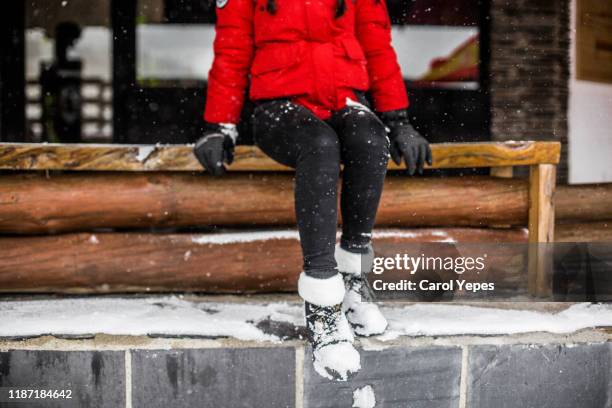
column 373, row 30
column 234, row 49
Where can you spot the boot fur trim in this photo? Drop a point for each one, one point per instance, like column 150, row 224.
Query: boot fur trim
column 321, row 292
column 348, row 262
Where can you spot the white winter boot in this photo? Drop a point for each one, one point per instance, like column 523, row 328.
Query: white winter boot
column 365, row 318
column 329, row 333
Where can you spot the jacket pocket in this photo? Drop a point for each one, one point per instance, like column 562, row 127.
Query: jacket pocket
column 274, row 59
column 279, row 70
column 351, row 65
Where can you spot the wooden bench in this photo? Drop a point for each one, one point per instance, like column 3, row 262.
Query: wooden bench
column 541, row 157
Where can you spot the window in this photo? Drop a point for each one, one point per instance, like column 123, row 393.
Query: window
column 68, row 81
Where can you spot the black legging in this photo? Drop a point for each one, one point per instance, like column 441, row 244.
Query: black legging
column 294, row 136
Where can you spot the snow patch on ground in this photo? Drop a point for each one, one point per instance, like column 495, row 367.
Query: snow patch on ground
column 440, row 320
column 337, row 361
column 368, row 345
column 140, row 316
column 364, row 397
column 175, row 316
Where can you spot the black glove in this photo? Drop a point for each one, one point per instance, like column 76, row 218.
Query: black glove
column 215, row 147
column 406, row 141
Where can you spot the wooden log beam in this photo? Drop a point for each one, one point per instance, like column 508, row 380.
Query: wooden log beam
column 32, row 203
column 598, row 231
column 260, row 261
column 110, row 157
column 137, row 262
column 582, row 203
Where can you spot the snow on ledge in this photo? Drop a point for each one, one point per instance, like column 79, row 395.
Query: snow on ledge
column 174, row 316
column 254, row 236
column 242, row 237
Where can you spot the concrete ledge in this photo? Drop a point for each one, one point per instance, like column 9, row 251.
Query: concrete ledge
column 534, row 369
column 270, row 365
column 496, row 375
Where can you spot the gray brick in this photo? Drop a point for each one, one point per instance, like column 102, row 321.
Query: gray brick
column 554, row 376
column 530, row 71
column 96, row 378
column 225, row 377
column 400, row 376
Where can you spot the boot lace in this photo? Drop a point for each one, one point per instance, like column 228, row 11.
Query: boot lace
column 358, row 285
column 323, row 324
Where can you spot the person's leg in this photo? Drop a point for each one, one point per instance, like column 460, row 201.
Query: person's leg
column 365, row 153
column 292, row 135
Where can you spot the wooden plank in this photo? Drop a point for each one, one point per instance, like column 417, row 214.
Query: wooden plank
column 32, row 203
column 100, row 157
column 494, row 154
column 542, row 181
column 140, row 262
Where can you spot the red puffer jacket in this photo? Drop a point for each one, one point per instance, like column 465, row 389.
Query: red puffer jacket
column 302, row 52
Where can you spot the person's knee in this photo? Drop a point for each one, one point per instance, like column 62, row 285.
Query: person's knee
column 365, row 133
column 321, row 142
column 323, row 137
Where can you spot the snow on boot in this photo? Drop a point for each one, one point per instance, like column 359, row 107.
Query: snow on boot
column 329, row 333
column 365, row 318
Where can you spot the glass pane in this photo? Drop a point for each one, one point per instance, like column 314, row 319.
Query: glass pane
column 438, row 54
column 437, row 42
column 174, row 42
column 159, row 57
column 68, row 71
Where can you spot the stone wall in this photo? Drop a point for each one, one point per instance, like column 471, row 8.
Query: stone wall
column 529, row 69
